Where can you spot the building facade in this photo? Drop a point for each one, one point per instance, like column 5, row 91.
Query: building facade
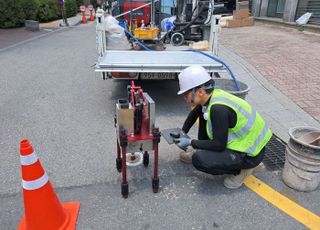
column 288, row 10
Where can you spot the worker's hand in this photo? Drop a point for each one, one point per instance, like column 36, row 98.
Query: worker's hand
column 182, row 142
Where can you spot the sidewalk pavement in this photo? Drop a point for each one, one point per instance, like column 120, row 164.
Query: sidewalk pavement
column 287, row 58
column 73, row 21
column 9, row 37
column 15, row 36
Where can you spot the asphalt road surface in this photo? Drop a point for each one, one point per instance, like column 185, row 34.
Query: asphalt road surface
column 50, row 95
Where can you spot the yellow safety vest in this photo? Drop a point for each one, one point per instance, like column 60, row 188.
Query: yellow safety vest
column 250, row 133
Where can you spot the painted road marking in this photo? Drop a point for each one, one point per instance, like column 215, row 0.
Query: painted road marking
column 304, row 216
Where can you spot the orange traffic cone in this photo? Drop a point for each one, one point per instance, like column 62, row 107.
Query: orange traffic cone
column 43, row 209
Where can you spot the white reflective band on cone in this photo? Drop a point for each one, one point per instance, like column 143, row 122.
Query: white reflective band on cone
column 28, row 159
column 35, row 184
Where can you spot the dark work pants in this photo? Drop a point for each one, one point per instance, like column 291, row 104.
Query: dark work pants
column 226, row 162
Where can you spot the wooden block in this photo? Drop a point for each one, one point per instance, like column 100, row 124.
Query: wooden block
column 240, row 14
column 223, row 21
column 233, row 23
column 247, row 21
column 202, row 45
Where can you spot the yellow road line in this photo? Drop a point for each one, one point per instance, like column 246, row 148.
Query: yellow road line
column 299, row 213
column 304, row 216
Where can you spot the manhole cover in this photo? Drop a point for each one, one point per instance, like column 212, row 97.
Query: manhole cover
column 274, row 154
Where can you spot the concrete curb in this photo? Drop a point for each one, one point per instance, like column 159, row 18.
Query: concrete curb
column 76, row 22
column 308, row 27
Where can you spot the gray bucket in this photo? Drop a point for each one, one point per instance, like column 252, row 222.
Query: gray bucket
column 229, row 86
column 302, row 166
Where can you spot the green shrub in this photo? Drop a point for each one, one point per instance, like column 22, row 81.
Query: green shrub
column 29, row 7
column 48, row 10
column 301, row 28
column 79, row 3
column 13, row 13
column 71, row 8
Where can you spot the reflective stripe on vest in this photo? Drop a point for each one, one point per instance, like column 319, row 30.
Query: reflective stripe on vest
column 261, row 136
column 250, row 133
column 28, row 159
column 250, row 116
column 35, row 184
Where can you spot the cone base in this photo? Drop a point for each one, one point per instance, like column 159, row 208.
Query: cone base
column 72, row 210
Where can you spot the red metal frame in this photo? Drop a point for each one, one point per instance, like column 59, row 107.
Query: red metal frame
column 156, row 150
column 118, row 150
column 144, row 134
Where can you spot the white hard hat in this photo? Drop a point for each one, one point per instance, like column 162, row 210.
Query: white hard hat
column 192, row 77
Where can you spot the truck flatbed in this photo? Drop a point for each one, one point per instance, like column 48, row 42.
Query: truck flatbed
column 173, row 61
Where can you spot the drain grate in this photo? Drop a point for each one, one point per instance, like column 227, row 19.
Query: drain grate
column 274, row 154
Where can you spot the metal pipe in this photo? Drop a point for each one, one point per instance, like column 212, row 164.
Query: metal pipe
column 215, row 30
column 153, row 13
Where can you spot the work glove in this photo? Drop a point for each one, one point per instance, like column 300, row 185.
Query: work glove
column 182, row 142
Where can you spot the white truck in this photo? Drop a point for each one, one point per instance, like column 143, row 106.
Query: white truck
column 160, row 65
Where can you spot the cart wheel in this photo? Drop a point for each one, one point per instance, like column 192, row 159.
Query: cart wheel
column 155, row 185
column 177, row 39
column 119, row 164
column 146, row 159
column 125, row 190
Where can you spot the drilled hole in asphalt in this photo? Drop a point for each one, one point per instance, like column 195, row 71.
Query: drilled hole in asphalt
column 274, row 157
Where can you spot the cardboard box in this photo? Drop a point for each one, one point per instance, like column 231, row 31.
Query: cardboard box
column 247, row 21
column 233, row 23
column 243, row 5
column 240, row 14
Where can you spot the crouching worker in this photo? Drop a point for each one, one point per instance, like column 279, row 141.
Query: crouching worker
column 232, row 136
